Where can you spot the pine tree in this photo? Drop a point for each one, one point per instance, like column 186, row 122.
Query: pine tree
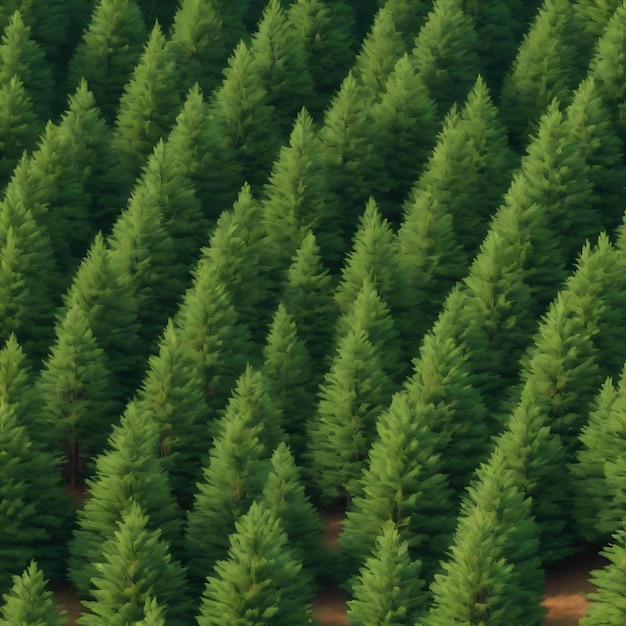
column 446, row 53
column 74, row 386
column 108, row 52
column 308, row 298
column 381, row 49
column 388, row 589
column 149, row 105
column 19, row 126
column 592, row 17
column 285, row 497
column 28, row 602
column 607, row 603
column 129, row 469
column 493, row 572
column 279, row 59
column 546, row 67
column 405, row 122
column 22, row 56
column 327, row 32
column 403, row 481
column 261, row 580
column 135, row 564
column 153, row 613
column 408, row 16
column 233, row 478
column 297, row 198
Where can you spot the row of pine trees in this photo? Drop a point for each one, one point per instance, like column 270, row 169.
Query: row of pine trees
column 256, row 257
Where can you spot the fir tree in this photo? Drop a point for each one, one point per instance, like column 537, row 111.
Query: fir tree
column 402, row 481
column 261, row 580
column 19, row 126
column 21, row 56
column 405, row 122
column 280, row 62
column 408, row 16
column 287, row 370
column 297, row 198
column 28, row 602
column 129, row 470
column 148, row 106
column 135, row 564
column 74, row 386
column 153, row 613
column 388, row 589
column 108, row 52
column 546, row 67
column 493, row 573
column 592, row 17
column 285, row 497
column 607, row 603
column 381, row 49
column 446, row 53
column 327, row 32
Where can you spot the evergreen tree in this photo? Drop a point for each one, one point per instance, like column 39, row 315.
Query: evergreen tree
column 172, row 392
column 148, row 106
column 403, row 481
column 233, row 478
column 199, row 43
column 74, row 386
column 261, row 580
column 327, row 32
column 280, row 61
column 388, row 589
column 135, row 564
column 19, row 126
column 129, row 470
column 153, row 613
column 493, row 573
column 352, row 396
column 407, row 15
column 22, row 56
column 287, row 370
column 28, row 602
column 381, row 49
column 592, row 17
column 607, row 603
column 546, row 67
column 446, row 53
column 284, row 496
column 297, row 199
column 308, row 298
column 405, row 122
column 108, row 52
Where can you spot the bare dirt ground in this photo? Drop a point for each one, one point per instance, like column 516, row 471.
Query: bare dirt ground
column 567, row 583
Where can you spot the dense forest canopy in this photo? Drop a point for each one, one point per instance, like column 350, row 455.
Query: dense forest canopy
column 259, row 258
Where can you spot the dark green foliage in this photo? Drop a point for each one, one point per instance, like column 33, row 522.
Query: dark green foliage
column 261, row 580
column 546, row 67
column 149, row 105
column 446, row 53
column 288, row 371
column 28, row 602
column 608, row 605
column 493, row 572
column 592, row 16
column 157, row 11
column 75, row 389
column 297, row 198
column 327, row 32
column 284, row 496
column 388, row 590
column 405, row 123
column 21, row 56
column 109, row 51
column 408, row 16
column 403, row 481
column 234, row 476
column 130, row 470
column 135, row 564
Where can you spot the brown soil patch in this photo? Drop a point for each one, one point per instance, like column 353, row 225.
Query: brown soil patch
column 329, row 608
column 67, row 599
column 333, row 523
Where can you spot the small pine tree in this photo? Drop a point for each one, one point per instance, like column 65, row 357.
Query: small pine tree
column 28, row 602
column 388, row 589
column 261, row 581
column 135, row 564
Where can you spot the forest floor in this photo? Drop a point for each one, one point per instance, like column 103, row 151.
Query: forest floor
column 567, row 583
